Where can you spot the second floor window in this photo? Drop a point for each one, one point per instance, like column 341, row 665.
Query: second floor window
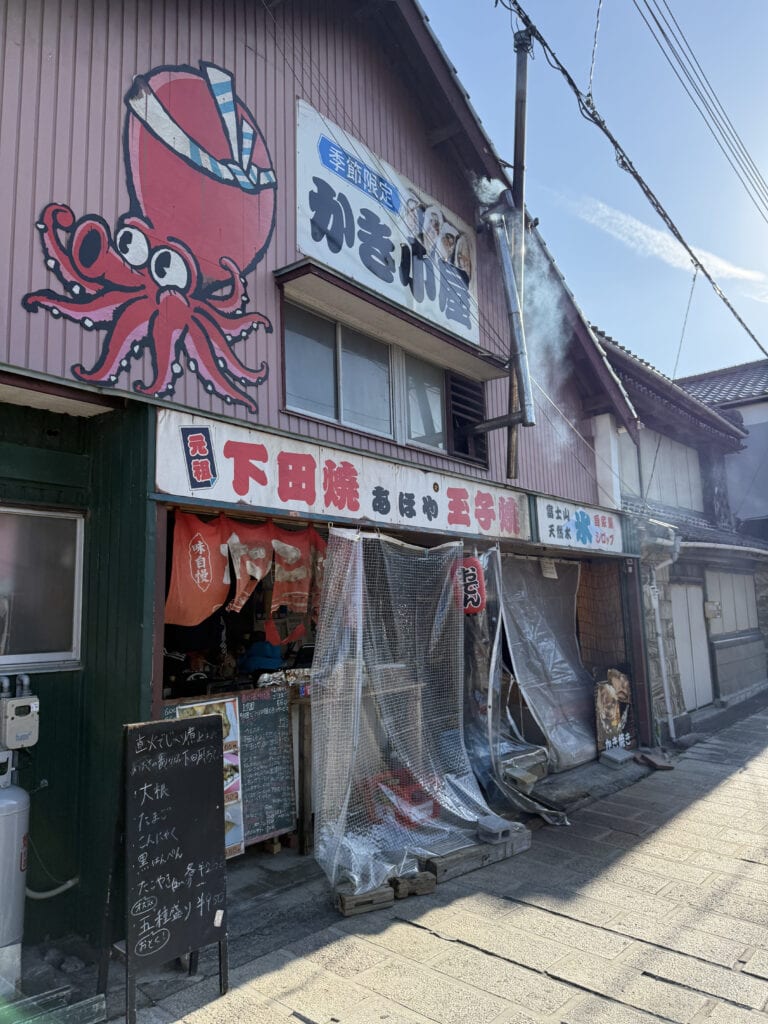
column 336, row 373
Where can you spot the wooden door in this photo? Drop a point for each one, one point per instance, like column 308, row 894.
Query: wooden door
column 692, row 645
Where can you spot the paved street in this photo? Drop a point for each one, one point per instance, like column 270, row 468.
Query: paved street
column 652, row 906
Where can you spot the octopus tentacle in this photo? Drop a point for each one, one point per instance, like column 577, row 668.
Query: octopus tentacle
column 201, row 349
column 226, row 358
column 94, row 311
column 130, row 328
column 58, row 217
column 231, row 327
column 238, row 297
column 167, row 340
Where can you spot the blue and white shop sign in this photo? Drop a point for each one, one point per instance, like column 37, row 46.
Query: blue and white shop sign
column 359, row 217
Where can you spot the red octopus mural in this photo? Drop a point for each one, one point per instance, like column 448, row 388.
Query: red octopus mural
column 171, row 281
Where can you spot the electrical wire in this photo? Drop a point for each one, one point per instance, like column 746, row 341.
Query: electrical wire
column 598, row 458
column 41, row 862
column 589, row 111
column 706, row 81
column 709, row 107
column 478, row 315
column 594, row 51
column 673, row 375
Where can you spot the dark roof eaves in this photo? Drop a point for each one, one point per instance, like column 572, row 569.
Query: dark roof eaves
column 441, row 66
column 666, row 384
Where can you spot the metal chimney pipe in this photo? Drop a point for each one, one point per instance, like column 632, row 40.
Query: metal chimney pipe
column 523, row 47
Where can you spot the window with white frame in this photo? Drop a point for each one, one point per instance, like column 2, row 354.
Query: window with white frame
column 336, row 373
column 425, row 387
column 41, row 563
column 734, row 592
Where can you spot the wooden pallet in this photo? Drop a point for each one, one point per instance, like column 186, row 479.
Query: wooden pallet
column 420, row 884
column 470, row 858
column 349, row 904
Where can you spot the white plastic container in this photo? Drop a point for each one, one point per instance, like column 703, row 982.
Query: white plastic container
column 14, row 828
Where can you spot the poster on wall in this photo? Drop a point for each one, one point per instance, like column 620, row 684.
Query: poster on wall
column 567, row 525
column 614, row 712
column 359, row 216
column 297, row 477
column 234, row 838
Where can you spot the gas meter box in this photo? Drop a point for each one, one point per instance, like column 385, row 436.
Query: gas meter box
column 19, row 722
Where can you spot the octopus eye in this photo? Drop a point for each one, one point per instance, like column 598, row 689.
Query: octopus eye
column 132, row 246
column 168, row 269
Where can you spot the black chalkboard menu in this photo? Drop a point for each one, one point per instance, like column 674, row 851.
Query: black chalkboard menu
column 266, row 757
column 175, row 874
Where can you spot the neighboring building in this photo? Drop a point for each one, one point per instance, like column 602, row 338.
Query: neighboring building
column 705, row 624
column 740, row 393
column 244, row 284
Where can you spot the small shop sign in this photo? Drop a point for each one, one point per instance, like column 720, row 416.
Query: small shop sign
column 567, row 525
column 281, row 474
column 360, row 217
column 614, row 713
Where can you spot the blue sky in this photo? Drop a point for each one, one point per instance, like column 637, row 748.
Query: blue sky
column 627, row 272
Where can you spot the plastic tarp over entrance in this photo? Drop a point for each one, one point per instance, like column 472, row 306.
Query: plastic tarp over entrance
column 539, row 618
column 392, row 780
column 506, row 766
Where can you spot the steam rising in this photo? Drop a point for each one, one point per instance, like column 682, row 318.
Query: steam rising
column 487, row 190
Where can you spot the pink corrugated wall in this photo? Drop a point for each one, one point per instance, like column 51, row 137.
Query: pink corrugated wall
column 66, row 67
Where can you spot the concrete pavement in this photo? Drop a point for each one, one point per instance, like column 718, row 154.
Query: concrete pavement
column 652, row 906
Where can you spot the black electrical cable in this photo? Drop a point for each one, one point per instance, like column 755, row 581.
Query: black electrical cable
column 709, row 89
column 589, row 111
column 716, row 123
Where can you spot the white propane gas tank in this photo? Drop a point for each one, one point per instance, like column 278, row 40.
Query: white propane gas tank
column 14, row 826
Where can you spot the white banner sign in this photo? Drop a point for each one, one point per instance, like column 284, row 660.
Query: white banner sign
column 205, row 459
column 565, row 525
column 358, row 216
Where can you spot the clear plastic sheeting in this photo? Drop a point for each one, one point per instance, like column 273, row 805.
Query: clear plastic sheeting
column 506, row 765
column 539, row 617
column 392, row 780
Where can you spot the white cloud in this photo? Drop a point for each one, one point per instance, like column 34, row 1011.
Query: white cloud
column 661, row 245
column 759, row 293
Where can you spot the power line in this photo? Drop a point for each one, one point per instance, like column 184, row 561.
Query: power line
column 594, row 49
column 740, row 145
column 707, row 104
column 589, row 111
column 476, row 312
column 674, row 374
column 477, row 315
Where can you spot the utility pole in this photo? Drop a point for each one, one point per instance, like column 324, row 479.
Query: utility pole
column 510, row 208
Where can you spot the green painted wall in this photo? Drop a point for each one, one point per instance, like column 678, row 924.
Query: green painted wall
column 100, row 466
column 118, row 635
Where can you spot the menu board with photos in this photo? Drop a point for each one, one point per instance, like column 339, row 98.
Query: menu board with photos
column 260, row 736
